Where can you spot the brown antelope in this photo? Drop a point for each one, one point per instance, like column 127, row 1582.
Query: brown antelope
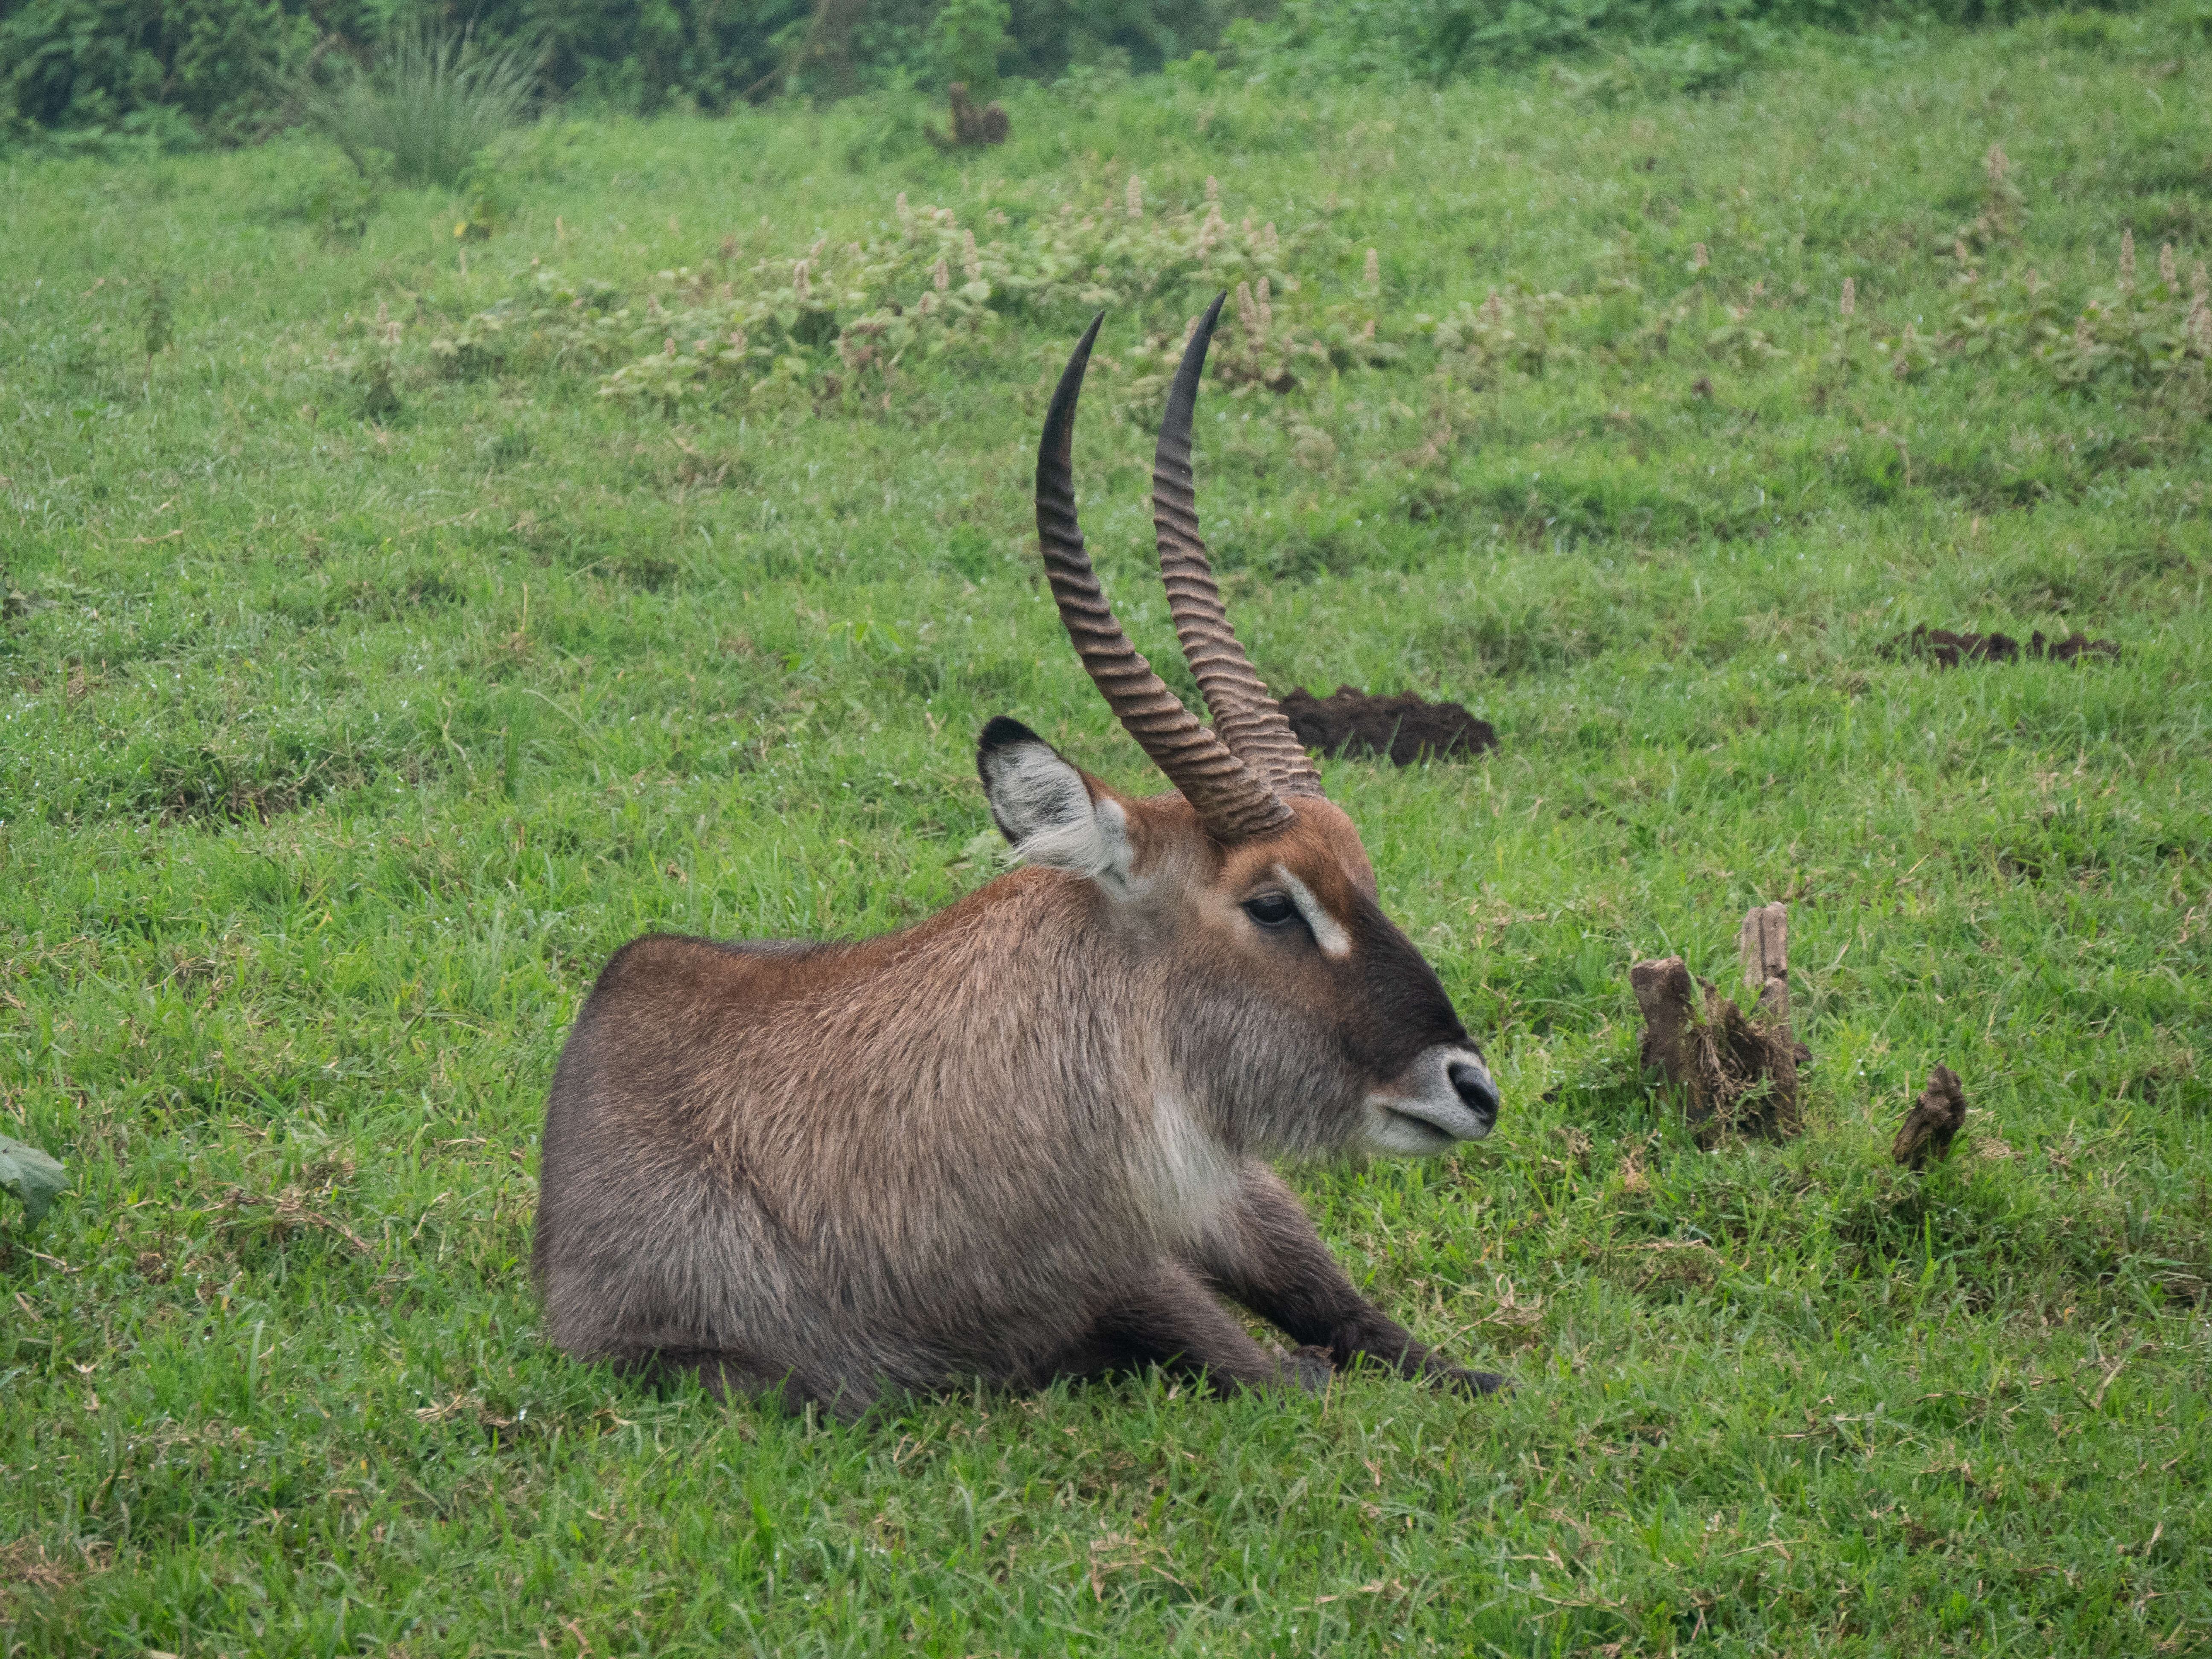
column 1023, row 1139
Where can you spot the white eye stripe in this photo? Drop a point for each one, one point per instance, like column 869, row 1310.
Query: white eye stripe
column 1328, row 932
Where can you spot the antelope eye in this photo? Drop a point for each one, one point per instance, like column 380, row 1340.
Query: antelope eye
column 1272, row 910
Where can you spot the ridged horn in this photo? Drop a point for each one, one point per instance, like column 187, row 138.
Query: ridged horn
column 1245, row 713
column 1230, row 799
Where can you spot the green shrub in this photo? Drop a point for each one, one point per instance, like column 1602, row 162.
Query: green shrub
column 967, row 38
column 92, row 65
column 830, row 323
column 430, row 102
column 840, row 327
column 173, row 72
column 339, row 201
column 1436, row 39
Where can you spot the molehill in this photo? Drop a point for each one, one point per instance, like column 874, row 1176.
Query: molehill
column 1403, row 727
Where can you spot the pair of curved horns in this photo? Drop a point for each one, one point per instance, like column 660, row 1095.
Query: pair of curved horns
column 1237, row 774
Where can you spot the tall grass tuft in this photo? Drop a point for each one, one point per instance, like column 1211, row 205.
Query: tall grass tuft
column 433, row 97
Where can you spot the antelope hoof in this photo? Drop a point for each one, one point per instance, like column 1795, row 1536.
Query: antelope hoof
column 1309, row 1368
column 1476, row 1383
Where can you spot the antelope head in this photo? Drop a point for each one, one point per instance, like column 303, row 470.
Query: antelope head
column 1295, row 1016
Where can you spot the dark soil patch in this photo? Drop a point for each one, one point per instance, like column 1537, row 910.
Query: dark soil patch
column 1948, row 649
column 215, row 793
column 201, row 785
column 1403, row 727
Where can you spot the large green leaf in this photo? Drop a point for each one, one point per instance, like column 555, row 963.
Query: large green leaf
column 31, row 1176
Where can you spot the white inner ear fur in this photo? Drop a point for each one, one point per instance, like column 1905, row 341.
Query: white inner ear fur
column 1328, row 932
column 1041, row 802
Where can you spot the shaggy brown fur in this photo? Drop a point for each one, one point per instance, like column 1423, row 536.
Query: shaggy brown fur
column 1025, row 1138
column 938, row 1155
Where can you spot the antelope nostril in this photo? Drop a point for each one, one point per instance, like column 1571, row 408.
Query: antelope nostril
column 1475, row 1087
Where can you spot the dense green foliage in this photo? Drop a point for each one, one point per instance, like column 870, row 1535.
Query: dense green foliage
column 384, row 644
column 176, row 71
column 1695, row 44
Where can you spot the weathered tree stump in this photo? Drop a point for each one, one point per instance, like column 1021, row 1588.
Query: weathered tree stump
column 1935, row 1117
column 1737, row 1074
column 1764, row 943
column 971, row 125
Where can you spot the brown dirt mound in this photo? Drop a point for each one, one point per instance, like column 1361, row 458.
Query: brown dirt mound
column 1941, row 646
column 1402, row 726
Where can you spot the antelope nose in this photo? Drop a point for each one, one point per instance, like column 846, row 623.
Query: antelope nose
column 1472, row 1084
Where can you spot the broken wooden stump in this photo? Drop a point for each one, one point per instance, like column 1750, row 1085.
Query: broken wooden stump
column 1737, row 1073
column 972, row 124
column 1935, row 1117
column 1764, row 943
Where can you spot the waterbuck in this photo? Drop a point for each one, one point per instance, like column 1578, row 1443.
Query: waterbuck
column 1023, row 1139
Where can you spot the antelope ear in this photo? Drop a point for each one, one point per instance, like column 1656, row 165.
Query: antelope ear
column 1047, row 808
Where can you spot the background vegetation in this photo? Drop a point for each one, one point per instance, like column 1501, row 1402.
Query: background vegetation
column 178, row 72
column 175, row 73
column 413, row 592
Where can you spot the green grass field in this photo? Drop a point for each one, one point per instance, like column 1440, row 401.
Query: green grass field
column 341, row 747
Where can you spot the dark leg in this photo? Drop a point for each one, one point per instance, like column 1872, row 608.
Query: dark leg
column 1170, row 1320
column 1263, row 1252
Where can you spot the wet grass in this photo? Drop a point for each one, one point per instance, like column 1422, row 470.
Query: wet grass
column 338, row 751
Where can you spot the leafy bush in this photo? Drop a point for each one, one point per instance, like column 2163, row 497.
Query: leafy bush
column 93, row 64
column 838, row 322
column 833, row 326
column 1679, row 44
column 170, row 71
column 90, row 65
column 173, row 72
column 430, row 101
column 340, row 201
column 2132, row 334
column 967, row 38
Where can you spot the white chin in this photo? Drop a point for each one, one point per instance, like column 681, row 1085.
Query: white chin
column 1405, row 1128
column 1423, row 1110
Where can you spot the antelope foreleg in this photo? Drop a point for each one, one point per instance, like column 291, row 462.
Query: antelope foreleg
column 1170, row 1318
column 1263, row 1252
